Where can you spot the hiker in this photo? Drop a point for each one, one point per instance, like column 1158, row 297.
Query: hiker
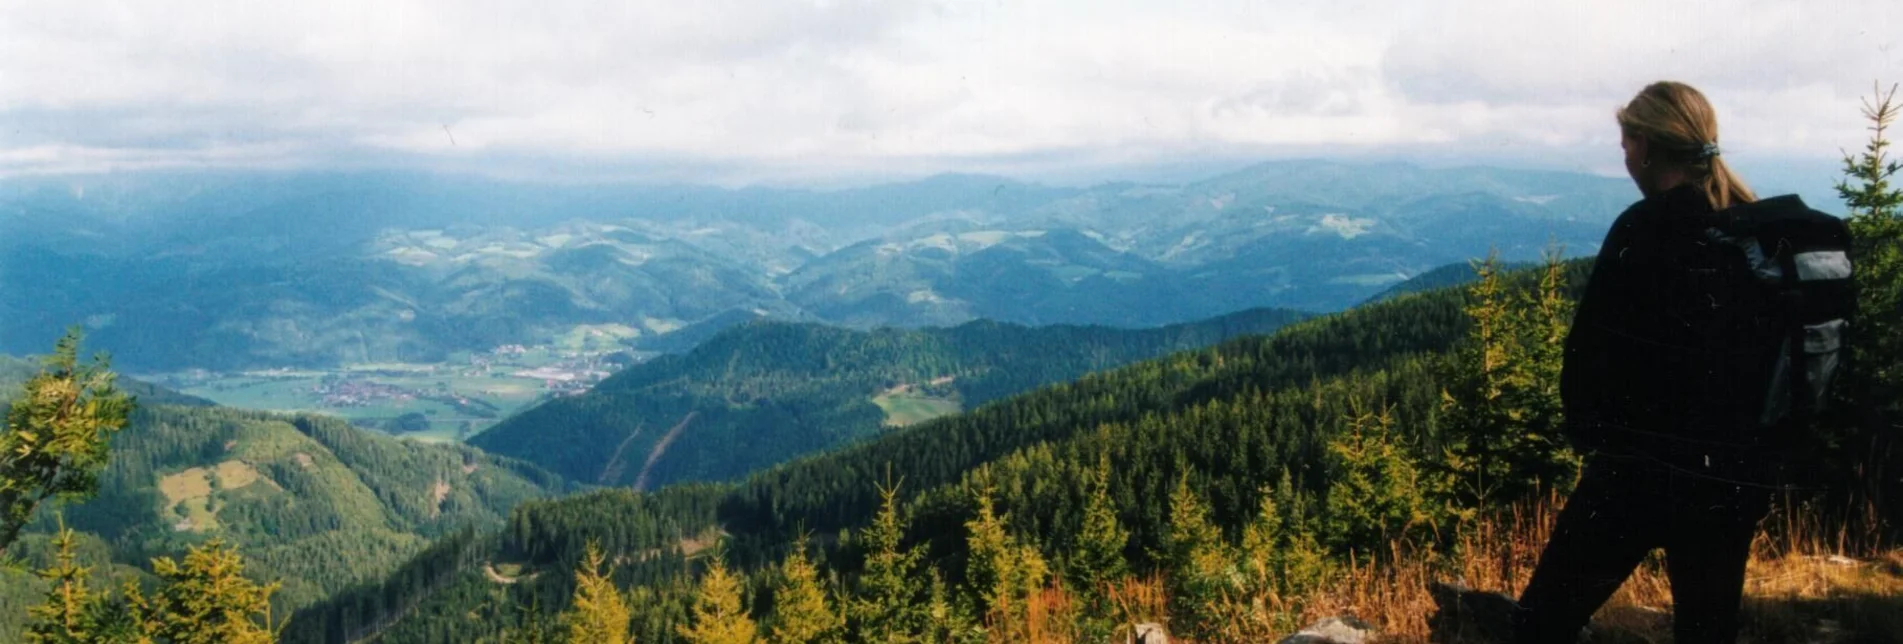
column 1680, row 382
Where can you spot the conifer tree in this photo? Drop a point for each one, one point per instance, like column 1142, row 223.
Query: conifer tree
column 70, row 614
column 1302, row 563
column 205, row 599
column 800, row 613
column 1542, row 453
column 1097, row 558
column 945, row 622
column 56, row 434
column 598, row 614
column 886, row 607
column 1201, row 568
column 1261, row 546
column 1002, row 573
column 1874, row 384
column 1502, row 408
column 719, row 615
column 1379, row 493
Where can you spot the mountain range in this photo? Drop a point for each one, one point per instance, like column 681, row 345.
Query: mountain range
column 1224, row 419
column 243, row 270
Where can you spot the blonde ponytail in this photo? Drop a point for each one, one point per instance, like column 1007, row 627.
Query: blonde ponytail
column 1723, row 188
column 1681, row 128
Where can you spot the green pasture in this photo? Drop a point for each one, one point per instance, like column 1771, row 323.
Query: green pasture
column 294, row 393
column 906, row 409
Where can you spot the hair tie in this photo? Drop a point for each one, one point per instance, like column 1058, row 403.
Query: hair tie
column 1708, row 151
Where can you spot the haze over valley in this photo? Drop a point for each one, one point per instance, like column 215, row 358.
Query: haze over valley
column 258, row 271
column 932, row 321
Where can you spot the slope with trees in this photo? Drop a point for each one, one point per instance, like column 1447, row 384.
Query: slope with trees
column 765, row 392
column 309, row 502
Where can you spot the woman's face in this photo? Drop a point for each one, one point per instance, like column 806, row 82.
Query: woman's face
column 1634, row 157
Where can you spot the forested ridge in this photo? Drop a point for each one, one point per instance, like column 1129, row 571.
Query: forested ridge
column 1232, row 492
column 1230, row 419
column 1256, row 468
column 764, row 392
column 309, row 501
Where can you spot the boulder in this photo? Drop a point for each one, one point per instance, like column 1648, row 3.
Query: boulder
column 1145, row 633
column 1334, row 630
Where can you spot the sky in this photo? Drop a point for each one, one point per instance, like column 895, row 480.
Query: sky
column 818, row 91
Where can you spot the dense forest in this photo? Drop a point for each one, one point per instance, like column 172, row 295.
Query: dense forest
column 1228, row 421
column 765, row 392
column 309, row 501
column 1225, row 491
column 1236, row 477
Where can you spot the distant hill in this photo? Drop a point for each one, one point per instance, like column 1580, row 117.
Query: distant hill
column 309, row 500
column 237, row 270
column 1446, row 276
column 14, row 372
column 684, row 339
column 764, row 392
column 1231, row 418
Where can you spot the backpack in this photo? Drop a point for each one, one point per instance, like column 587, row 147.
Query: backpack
column 1798, row 260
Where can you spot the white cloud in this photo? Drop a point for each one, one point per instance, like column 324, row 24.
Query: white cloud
column 825, row 87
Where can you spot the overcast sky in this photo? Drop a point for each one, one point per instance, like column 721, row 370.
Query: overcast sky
column 804, row 90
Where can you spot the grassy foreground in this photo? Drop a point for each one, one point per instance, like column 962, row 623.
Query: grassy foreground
column 1802, row 585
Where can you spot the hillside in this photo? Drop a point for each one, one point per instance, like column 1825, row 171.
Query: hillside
column 310, row 501
column 1238, row 414
column 1448, row 276
column 765, row 392
column 1257, row 430
column 234, row 271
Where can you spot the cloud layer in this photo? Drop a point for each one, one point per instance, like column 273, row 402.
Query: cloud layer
column 818, row 88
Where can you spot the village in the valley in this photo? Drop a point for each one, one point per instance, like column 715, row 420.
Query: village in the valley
column 450, row 400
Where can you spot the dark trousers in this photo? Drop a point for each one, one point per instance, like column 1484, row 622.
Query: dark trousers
column 1624, row 508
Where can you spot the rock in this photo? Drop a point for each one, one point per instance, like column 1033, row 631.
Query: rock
column 1334, row 630
column 1146, row 633
column 1470, row 616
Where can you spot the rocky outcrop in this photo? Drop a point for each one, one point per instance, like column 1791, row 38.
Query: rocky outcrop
column 1146, row 633
column 1335, row 630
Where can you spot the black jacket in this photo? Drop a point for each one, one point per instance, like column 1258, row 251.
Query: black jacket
column 1664, row 359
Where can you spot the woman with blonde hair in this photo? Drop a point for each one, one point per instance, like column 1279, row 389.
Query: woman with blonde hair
column 1670, row 413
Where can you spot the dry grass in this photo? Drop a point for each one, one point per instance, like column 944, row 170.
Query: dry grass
column 1802, row 585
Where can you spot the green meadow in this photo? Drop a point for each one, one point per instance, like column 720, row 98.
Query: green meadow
column 903, row 409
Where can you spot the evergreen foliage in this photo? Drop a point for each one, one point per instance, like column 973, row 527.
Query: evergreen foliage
column 886, row 606
column 801, row 614
column 1301, row 560
column 597, row 614
column 1001, row 573
column 719, row 614
column 1874, row 385
column 1205, row 429
column 1202, row 568
column 1502, row 407
column 72, row 611
column 1379, row 493
column 783, row 390
column 57, row 434
column 205, row 599
column 1096, row 558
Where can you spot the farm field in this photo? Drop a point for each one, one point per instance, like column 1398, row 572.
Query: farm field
column 903, row 409
column 440, row 402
